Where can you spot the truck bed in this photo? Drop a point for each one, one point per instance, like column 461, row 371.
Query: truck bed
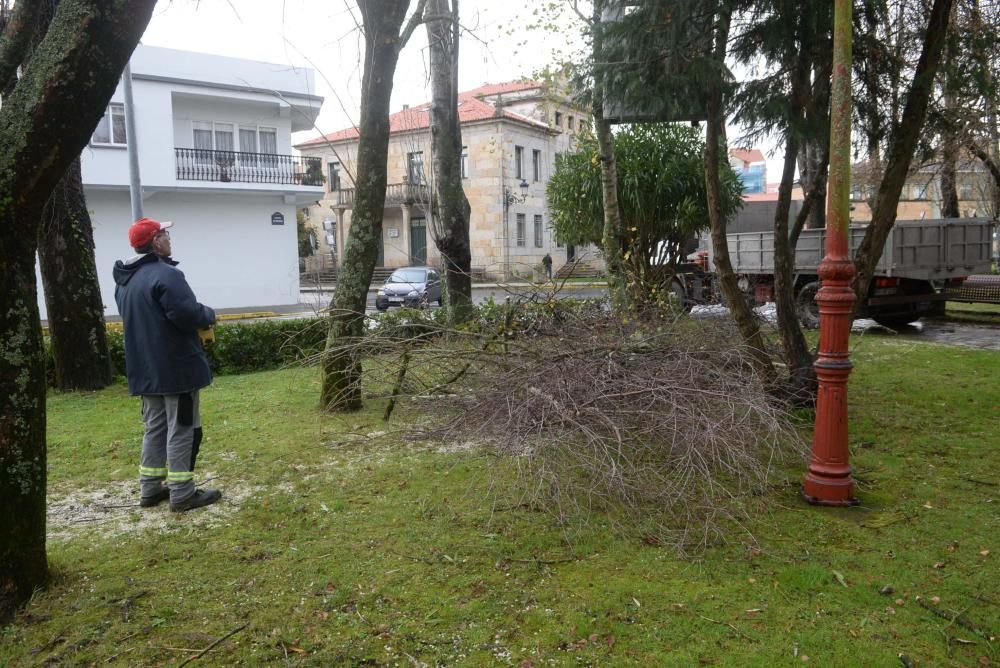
column 918, row 249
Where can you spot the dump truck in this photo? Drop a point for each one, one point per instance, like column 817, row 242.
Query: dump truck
column 923, row 260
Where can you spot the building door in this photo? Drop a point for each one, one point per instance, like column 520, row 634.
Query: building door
column 570, row 253
column 418, row 241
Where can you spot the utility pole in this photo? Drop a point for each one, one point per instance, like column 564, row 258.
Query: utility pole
column 828, row 481
column 132, row 146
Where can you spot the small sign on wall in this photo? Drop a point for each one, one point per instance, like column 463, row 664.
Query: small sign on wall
column 277, row 218
column 393, row 232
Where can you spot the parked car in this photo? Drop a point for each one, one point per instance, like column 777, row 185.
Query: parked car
column 414, row 287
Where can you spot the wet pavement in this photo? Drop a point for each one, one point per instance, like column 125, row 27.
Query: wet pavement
column 949, row 332
column 934, row 330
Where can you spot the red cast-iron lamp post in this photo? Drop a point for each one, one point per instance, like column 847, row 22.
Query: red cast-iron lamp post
column 828, row 481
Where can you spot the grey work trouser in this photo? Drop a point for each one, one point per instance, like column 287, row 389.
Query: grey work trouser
column 170, row 444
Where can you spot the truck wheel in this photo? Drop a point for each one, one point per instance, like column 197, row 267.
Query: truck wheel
column 806, row 306
column 677, row 293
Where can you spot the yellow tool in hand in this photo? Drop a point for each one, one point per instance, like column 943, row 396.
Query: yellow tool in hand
column 207, row 335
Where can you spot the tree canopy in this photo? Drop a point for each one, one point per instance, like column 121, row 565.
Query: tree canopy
column 661, row 189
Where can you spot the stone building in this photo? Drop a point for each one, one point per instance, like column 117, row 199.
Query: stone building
column 511, row 133
column 921, row 194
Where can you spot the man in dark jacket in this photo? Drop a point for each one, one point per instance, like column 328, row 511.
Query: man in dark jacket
column 165, row 364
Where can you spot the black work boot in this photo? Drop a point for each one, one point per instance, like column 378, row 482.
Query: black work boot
column 200, row 498
column 156, row 498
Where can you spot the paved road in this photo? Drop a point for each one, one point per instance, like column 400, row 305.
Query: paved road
column 985, row 337
column 316, row 300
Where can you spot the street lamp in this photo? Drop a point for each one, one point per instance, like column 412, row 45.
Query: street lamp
column 509, row 198
column 828, row 481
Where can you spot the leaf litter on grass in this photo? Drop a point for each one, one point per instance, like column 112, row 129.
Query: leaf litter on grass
column 113, row 510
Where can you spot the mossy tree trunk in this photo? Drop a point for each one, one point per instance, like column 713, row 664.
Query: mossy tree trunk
column 45, row 122
column 381, row 22
column 72, row 293
column 451, row 206
column 801, row 375
column 715, row 138
column 613, row 236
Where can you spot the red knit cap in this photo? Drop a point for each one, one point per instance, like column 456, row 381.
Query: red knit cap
column 143, row 230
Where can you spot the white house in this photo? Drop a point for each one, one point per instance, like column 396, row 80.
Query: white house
column 213, row 136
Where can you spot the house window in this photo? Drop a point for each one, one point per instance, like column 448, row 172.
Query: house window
column 224, row 137
column 333, row 169
column 536, row 165
column 465, row 162
column 520, row 229
column 111, row 128
column 965, row 191
column 538, row 231
column 268, row 140
column 415, row 167
column 918, row 192
column 569, row 122
column 558, row 119
column 519, row 162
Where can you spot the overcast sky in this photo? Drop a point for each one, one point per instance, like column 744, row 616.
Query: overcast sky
column 322, row 34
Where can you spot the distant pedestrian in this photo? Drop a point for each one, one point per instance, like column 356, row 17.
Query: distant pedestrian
column 547, row 264
column 165, row 364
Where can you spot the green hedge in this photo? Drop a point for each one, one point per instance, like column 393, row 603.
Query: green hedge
column 257, row 345
column 261, row 345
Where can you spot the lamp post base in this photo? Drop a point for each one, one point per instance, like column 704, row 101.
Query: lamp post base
column 829, row 492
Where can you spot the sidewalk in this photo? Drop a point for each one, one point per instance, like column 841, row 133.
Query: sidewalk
column 514, row 285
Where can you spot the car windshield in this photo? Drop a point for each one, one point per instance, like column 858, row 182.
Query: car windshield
column 407, row 276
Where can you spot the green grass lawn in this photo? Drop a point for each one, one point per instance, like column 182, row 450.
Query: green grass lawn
column 973, row 312
column 340, row 542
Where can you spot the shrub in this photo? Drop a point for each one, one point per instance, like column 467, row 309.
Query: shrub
column 257, row 345
column 264, row 344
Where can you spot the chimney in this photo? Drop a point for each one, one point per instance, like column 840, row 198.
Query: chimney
column 405, row 107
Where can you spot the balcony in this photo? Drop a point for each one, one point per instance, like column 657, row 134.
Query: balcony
column 196, row 164
column 396, row 194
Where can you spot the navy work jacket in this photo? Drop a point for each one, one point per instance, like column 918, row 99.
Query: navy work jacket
column 161, row 318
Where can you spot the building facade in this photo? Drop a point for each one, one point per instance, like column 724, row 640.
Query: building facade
column 511, row 135
column 213, row 136
column 921, row 195
column 751, row 168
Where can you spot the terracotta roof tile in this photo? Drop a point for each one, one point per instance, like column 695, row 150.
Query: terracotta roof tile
column 470, row 108
column 749, row 155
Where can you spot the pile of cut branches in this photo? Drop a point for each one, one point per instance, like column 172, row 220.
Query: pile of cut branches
column 660, row 423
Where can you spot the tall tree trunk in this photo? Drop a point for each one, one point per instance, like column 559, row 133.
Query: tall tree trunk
column 715, row 138
column 77, row 332
column 381, row 22
column 612, row 236
column 451, row 217
column 23, row 565
column 802, row 376
column 904, row 141
column 44, row 124
column 950, row 143
column 817, row 115
column 72, row 293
